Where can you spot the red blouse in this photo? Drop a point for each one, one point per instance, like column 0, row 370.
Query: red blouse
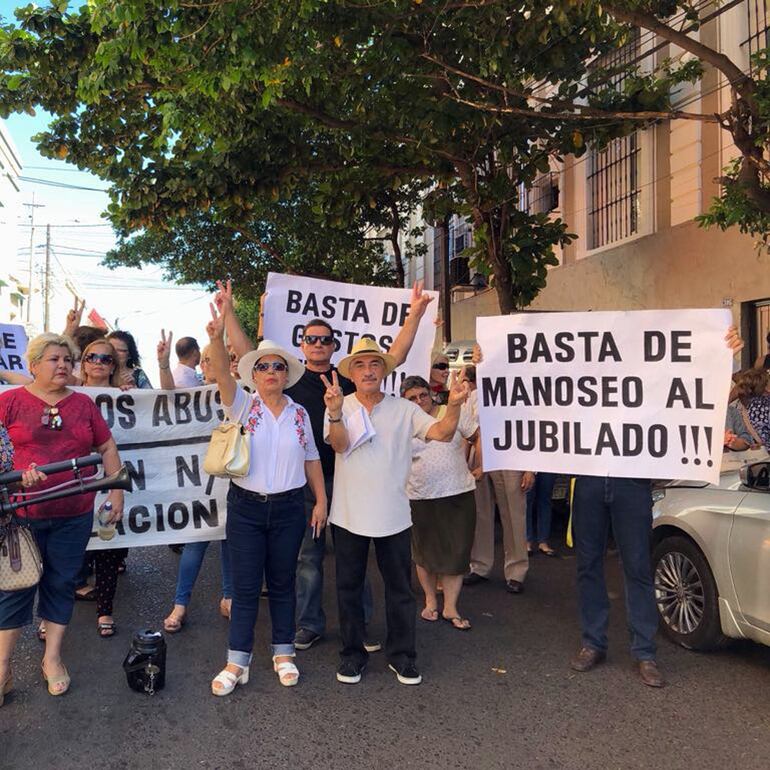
column 83, row 429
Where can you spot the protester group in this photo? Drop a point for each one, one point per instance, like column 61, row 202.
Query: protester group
column 329, row 452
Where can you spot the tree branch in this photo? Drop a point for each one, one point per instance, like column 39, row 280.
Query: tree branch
column 738, row 79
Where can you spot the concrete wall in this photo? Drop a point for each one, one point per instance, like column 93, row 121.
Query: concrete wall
column 681, row 267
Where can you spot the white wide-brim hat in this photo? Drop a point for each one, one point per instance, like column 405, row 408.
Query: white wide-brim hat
column 270, row 348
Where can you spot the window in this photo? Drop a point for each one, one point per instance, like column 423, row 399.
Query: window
column 542, row 197
column 757, row 40
column 614, row 174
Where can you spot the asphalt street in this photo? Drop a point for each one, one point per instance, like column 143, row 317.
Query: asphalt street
column 499, row 696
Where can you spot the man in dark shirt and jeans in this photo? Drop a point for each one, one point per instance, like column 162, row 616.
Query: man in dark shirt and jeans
column 317, row 348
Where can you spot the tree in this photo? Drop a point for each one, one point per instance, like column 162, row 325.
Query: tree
column 224, row 104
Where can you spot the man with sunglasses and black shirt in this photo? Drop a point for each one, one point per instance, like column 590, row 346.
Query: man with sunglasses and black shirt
column 317, row 347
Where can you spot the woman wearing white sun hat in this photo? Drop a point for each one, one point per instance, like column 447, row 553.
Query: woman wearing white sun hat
column 265, row 509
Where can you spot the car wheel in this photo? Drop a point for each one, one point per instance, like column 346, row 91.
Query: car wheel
column 686, row 595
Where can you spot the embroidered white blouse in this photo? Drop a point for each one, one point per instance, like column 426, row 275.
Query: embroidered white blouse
column 279, row 446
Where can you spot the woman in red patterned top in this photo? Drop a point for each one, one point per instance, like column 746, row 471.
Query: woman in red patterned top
column 46, row 422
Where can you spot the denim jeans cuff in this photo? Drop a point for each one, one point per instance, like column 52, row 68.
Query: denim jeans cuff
column 239, row 658
column 282, row 649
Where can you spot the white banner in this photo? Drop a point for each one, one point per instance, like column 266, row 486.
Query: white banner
column 162, row 437
column 13, row 346
column 353, row 312
column 638, row 394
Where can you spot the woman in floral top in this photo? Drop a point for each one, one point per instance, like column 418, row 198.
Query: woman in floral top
column 753, row 406
column 265, row 509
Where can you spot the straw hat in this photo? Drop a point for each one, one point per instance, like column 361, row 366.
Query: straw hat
column 366, row 347
column 270, row 348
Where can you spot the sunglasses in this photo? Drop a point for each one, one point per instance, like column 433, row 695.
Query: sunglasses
column 51, row 418
column 324, row 339
column 276, row 366
column 441, row 366
column 99, row 358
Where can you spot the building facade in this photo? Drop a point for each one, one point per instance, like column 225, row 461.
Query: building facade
column 13, row 285
column 633, row 207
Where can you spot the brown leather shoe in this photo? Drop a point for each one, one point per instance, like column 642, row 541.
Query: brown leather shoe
column 586, row 659
column 649, row 673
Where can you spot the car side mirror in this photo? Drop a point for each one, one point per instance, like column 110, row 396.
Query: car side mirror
column 756, row 475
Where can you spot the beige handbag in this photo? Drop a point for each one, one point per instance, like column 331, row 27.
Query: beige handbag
column 228, row 454
column 20, row 562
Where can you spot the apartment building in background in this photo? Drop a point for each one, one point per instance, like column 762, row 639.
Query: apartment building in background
column 633, row 206
column 13, row 284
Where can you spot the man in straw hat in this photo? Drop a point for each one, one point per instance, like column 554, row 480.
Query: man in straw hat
column 370, row 502
column 317, row 346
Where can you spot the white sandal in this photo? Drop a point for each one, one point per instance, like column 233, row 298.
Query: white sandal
column 228, row 680
column 288, row 673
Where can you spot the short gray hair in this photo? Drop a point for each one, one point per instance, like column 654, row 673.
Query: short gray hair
column 37, row 346
column 414, row 381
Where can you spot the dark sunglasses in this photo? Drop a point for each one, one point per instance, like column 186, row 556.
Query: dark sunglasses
column 324, row 339
column 51, row 418
column 99, row 358
column 276, row 366
column 441, row 366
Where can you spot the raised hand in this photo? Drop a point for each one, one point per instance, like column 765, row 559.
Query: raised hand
column 334, row 396
column 223, row 299
column 733, row 340
column 477, row 356
column 74, row 316
column 420, row 300
column 164, row 347
column 215, row 328
column 458, row 391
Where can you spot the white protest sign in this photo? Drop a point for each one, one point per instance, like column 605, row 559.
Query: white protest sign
column 162, row 437
column 353, row 312
column 13, row 346
column 638, row 394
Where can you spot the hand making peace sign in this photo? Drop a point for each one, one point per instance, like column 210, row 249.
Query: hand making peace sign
column 164, row 347
column 334, row 396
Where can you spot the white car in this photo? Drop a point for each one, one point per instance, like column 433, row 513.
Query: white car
column 711, row 556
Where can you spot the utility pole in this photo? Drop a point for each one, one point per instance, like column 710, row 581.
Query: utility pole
column 31, row 206
column 47, row 286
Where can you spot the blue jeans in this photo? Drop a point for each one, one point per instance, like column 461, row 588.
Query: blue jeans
column 310, row 573
column 539, row 508
column 62, row 543
column 627, row 505
column 263, row 539
column 190, row 565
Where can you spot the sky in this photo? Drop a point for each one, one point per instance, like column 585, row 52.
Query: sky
column 140, row 300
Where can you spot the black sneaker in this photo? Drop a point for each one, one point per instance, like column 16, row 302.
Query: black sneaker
column 407, row 674
column 305, row 639
column 371, row 645
column 350, row 672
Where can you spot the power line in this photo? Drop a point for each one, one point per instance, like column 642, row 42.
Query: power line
column 62, row 185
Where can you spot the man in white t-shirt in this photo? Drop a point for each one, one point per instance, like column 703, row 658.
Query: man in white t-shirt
column 372, row 434
column 189, row 354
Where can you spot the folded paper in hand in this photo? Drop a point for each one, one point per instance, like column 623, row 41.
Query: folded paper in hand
column 360, row 430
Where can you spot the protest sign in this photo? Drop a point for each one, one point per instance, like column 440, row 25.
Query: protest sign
column 162, row 437
column 631, row 394
column 353, row 312
column 13, row 346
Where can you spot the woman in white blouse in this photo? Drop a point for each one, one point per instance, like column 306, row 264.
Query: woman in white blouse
column 265, row 509
column 440, row 490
